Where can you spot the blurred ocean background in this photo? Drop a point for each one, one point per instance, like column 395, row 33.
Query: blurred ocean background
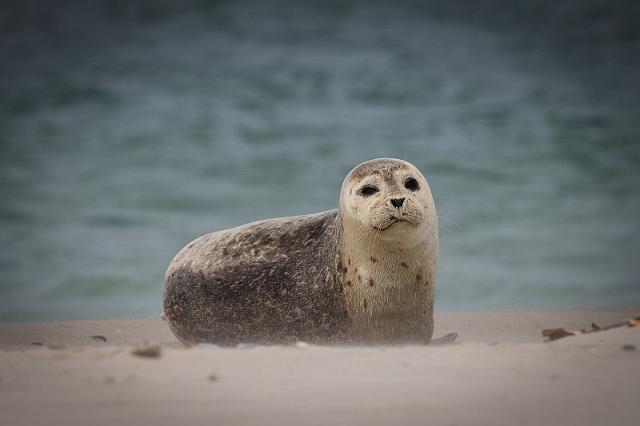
column 128, row 128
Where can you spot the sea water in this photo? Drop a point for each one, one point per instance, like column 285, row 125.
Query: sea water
column 129, row 129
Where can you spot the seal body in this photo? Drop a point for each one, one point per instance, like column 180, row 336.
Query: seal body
column 362, row 273
column 268, row 281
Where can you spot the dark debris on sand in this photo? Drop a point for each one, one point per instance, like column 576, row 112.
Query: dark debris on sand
column 147, row 350
column 551, row 334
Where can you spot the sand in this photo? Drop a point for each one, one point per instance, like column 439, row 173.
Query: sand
column 498, row 373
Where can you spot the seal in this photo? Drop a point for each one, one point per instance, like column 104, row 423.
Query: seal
column 362, row 273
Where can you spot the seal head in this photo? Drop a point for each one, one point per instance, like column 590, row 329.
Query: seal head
column 388, row 195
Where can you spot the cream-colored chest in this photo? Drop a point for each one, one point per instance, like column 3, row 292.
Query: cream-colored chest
column 388, row 284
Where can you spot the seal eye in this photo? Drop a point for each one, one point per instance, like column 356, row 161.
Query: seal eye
column 411, row 184
column 368, row 190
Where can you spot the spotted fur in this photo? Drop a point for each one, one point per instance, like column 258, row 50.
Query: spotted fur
column 318, row 278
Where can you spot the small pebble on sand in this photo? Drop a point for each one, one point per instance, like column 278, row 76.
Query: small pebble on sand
column 56, row 346
column 147, row 350
column 629, row 347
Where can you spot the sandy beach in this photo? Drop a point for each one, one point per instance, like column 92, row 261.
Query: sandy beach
column 131, row 129
column 499, row 372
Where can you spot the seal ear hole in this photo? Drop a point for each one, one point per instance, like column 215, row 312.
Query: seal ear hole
column 368, row 190
column 411, row 184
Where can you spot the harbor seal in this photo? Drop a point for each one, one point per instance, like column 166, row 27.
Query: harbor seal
column 362, row 273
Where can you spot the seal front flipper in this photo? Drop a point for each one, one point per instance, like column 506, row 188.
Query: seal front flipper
column 444, row 340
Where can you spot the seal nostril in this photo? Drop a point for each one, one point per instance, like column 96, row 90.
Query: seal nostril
column 397, row 202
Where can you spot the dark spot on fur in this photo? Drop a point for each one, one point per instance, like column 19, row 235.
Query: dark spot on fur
column 359, row 278
column 388, row 178
column 364, row 303
column 348, row 283
column 373, row 259
column 371, row 282
column 404, row 265
column 349, row 262
column 418, row 277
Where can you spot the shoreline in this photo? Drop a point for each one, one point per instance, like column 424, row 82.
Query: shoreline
column 523, row 325
column 498, row 372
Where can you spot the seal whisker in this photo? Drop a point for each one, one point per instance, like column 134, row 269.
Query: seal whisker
column 443, row 227
column 449, row 220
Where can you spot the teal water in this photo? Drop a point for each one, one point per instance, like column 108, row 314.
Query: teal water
column 128, row 129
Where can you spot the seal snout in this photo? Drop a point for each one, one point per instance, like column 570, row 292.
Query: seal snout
column 397, row 202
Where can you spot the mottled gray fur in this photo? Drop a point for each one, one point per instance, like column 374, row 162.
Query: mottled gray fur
column 328, row 277
column 270, row 281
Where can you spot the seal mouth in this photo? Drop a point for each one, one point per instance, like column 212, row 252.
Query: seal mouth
column 393, row 222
